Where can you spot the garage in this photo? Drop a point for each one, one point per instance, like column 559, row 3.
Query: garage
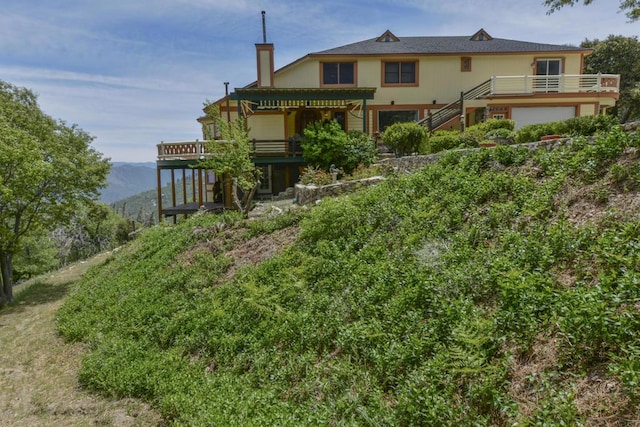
column 531, row 115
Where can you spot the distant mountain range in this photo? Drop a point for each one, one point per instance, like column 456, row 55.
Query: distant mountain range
column 128, row 179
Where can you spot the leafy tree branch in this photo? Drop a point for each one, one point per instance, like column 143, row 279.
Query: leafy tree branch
column 631, row 8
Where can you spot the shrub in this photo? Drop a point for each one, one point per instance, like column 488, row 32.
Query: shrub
column 359, row 150
column 501, row 133
column 405, row 138
column 315, row 176
column 444, row 140
column 535, row 132
column 495, row 124
column 472, row 136
column 326, row 144
column 576, row 126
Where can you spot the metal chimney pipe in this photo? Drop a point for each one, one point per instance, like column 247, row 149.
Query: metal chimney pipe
column 264, row 28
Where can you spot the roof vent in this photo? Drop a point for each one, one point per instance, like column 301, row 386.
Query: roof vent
column 387, row 36
column 481, row 35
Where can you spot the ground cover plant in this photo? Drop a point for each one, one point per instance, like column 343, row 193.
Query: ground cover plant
column 494, row 287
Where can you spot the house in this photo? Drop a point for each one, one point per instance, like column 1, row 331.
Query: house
column 441, row 82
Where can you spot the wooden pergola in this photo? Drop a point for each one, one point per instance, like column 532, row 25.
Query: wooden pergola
column 271, row 98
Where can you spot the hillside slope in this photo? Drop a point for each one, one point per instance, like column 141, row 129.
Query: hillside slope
column 39, row 380
column 495, row 287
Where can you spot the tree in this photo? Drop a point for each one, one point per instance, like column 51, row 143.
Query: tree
column 231, row 157
column 93, row 228
column 47, row 170
column 631, row 7
column 618, row 55
column 38, row 255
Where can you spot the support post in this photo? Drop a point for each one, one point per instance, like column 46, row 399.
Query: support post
column 193, row 185
column 173, row 193
column 200, row 203
column 184, row 186
column 159, row 178
column 364, row 115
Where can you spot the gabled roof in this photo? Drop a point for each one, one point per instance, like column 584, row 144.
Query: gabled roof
column 387, row 36
column 480, row 42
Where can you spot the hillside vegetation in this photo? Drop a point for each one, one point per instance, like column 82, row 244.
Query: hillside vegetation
column 497, row 286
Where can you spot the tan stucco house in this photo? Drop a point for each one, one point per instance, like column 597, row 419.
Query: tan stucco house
column 442, row 82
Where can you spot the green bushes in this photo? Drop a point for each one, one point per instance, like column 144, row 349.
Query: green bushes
column 442, row 140
column 325, row 144
column 416, row 302
column 577, row 126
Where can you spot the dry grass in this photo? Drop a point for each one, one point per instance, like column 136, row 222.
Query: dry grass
column 38, row 370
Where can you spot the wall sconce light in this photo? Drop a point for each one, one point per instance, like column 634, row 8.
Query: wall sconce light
column 393, row 102
column 433, row 102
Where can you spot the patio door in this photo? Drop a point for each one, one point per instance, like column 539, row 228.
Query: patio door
column 265, row 179
column 546, row 69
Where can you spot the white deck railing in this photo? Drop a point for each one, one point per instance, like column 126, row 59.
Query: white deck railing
column 185, row 150
column 563, row 83
column 196, row 150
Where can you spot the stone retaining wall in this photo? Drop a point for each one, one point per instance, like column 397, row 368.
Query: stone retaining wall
column 307, row 194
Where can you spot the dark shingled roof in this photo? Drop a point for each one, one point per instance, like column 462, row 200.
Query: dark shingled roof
column 443, row 45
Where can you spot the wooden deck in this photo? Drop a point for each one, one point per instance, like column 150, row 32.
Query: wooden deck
column 189, row 208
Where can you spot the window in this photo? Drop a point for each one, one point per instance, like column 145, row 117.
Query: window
column 265, row 178
column 544, row 69
column 389, row 117
column 400, row 73
column 548, row 67
column 210, row 131
column 340, row 117
column 465, row 63
column 338, row 73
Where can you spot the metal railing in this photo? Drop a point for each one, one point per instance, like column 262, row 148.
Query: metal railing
column 519, row 85
column 562, row 83
column 454, row 109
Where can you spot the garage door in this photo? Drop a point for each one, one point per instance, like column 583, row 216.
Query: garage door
column 530, row 115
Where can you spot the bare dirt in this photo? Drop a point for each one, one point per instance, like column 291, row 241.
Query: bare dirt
column 39, row 370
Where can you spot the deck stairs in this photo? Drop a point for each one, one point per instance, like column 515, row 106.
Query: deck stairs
column 454, row 109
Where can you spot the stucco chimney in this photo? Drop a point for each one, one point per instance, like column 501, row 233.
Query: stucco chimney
column 264, row 53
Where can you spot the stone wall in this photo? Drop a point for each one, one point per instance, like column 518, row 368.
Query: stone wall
column 307, row 194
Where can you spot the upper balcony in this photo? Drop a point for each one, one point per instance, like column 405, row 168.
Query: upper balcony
column 562, row 83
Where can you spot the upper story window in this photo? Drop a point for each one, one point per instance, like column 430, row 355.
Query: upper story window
column 400, row 73
column 548, row 67
column 338, row 73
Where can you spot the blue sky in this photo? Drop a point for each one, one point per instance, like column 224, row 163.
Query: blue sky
column 133, row 73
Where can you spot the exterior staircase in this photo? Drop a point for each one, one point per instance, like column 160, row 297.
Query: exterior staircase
column 455, row 109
